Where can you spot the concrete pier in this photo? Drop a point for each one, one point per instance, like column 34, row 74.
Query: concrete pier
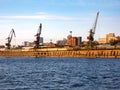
column 63, row 53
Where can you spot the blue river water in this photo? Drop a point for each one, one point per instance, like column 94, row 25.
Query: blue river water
column 59, row 74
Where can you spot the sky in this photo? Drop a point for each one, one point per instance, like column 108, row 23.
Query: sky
column 58, row 18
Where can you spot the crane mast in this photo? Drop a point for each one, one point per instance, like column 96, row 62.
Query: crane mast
column 38, row 36
column 9, row 39
column 92, row 31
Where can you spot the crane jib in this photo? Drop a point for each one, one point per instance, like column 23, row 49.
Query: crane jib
column 95, row 24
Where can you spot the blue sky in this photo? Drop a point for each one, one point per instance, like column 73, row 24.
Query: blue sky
column 58, row 17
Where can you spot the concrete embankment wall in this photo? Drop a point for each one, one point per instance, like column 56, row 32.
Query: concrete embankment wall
column 64, row 53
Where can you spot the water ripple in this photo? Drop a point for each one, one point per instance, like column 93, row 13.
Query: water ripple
column 59, row 74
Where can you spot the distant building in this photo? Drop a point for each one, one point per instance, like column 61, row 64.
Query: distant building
column 102, row 40
column 51, row 45
column 74, row 41
column 41, row 41
column 110, row 36
column 62, row 42
column 79, row 41
column 28, row 44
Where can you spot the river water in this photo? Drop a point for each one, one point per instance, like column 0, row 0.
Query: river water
column 59, row 74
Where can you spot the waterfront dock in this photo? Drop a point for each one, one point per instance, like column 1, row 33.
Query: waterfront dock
column 62, row 53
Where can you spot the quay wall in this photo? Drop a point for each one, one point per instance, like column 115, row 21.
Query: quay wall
column 63, row 54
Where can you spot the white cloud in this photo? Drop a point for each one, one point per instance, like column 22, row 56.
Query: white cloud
column 45, row 16
column 42, row 15
column 4, row 21
column 112, row 18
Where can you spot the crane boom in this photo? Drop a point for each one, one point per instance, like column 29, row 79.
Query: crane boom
column 95, row 24
column 8, row 44
column 92, row 31
column 38, row 36
column 39, row 30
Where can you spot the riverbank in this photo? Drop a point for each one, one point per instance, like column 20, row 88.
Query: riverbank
column 62, row 53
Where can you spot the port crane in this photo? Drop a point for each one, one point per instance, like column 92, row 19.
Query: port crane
column 37, row 41
column 92, row 31
column 9, row 39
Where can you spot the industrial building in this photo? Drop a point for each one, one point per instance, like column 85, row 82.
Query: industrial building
column 31, row 44
column 28, row 44
column 41, row 41
column 74, row 41
column 102, row 40
column 62, row 43
column 110, row 36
